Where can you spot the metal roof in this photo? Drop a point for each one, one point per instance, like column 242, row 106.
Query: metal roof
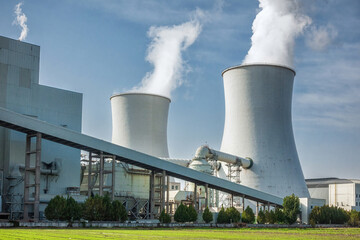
column 28, row 125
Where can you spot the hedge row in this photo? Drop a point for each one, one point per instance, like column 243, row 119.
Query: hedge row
column 94, row 209
column 333, row 215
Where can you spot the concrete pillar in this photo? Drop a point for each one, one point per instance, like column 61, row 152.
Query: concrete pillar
column 89, row 174
column 101, row 174
column 113, row 178
column 27, row 178
column 37, row 176
column 243, row 203
column 257, row 209
column 195, row 197
column 232, row 200
column 152, row 194
column 206, row 195
column 167, row 194
column 163, row 185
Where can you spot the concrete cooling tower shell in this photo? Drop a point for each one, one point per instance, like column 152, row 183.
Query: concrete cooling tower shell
column 140, row 122
column 258, row 125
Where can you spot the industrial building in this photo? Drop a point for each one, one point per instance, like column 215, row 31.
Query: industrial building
column 41, row 139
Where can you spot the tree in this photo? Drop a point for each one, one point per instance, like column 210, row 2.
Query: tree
column 328, row 215
column 164, row 217
column 118, row 211
column 279, row 215
column 106, row 204
column 270, row 216
column 192, row 213
column 207, row 215
column 233, row 214
column 248, row 215
column 222, row 216
column 181, row 214
column 354, row 218
column 261, row 217
column 94, row 209
column 72, row 210
column 291, row 208
column 55, row 210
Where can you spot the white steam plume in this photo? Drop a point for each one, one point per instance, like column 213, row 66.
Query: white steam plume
column 274, row 31
column 21, row 21
column 165, row 53
column 319, row 38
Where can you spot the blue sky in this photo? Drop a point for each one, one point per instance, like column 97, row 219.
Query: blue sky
column 98, row 48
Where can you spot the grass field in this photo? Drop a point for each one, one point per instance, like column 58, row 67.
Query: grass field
column 244, row 233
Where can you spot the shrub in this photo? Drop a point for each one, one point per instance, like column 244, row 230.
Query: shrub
column 164, row 217
column 222, row 216
column 279, row 215
column 95, row 209
column 233, row 215
column 107, row 206
column 248, row 215
column 261, row 217
column 328, row 215
column 354, row 218
column 55, row 210
column 118, row 211
column 192, row 214
column 207, row 215
column 270, row 216
column 181, row 214
column 72, row 210
column 291, row 208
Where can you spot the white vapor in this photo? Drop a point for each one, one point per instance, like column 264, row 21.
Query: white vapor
column 165, row 53
column 318, row 38
column 274, row 31
column 21, row 21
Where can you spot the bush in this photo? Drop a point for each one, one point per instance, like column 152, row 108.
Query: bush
column 107, row 206
column 354, row 218
column 328, row 215
column 207, row 215
column 72, row 210
column 261, row 217
column 192, row 214
column 279, row 215
column 270, row 216
column 56, row 209
column 118, row 211
column 248, row 215
column 291, row 208
column 94, row 209
column 233, row 215
column 164, row 217
column 222, row 216
column 181, row 214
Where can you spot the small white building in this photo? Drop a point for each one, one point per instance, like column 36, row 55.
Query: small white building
column 344, row 193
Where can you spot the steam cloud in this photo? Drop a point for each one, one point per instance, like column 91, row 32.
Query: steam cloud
column 319, row 38
column 275, row 29
column 21, row 21
column 165, row 53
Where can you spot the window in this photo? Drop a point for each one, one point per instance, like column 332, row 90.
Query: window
column 176, row 187
column 357, row 204
column 172, row 187
column 311, row 207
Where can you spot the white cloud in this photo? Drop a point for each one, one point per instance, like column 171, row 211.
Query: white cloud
column 319, row 38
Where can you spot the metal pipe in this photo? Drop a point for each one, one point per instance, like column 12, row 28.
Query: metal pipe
column 205, row 152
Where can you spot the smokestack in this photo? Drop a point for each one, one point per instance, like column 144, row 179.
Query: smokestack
column 258, row 125
column 140, row 122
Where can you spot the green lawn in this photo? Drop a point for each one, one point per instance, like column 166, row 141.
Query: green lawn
column 244, row 233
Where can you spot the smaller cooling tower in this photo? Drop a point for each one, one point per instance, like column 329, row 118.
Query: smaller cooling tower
column 258, row 125
column 140, row 122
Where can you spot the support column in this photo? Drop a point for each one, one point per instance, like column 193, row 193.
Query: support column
column 90, row 174
column 27, row 178
column 113, row 178
column 152, row 194
column 243, row 203
column 206, row 195
column 195, row 197
column 37, row 177
column 268, row 206
column 163, row 178
column 257, row 209
column 232, row 200
column 168, row 195
column 101, row 174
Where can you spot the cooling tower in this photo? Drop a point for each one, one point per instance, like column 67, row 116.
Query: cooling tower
column 140, row 122
column 258, row 125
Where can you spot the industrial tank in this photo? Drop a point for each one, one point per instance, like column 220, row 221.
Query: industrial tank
column 140, row 122
column 258, row 125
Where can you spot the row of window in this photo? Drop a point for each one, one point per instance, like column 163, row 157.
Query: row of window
column 175, row 187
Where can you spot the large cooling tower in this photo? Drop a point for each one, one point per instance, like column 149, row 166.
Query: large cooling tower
column 140, row 122
column 258, row 125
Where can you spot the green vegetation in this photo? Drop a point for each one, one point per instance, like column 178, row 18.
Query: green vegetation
column 248, row 215
column 328, row 215
column 207, row 215
column 56, row 209
column 354, row 218
column 164, row 217
column 233, row 214
column 181, row 214
column 291, row 206
column 222, row 216
column 187, row 234
column 261, row 218
column 192, row 214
